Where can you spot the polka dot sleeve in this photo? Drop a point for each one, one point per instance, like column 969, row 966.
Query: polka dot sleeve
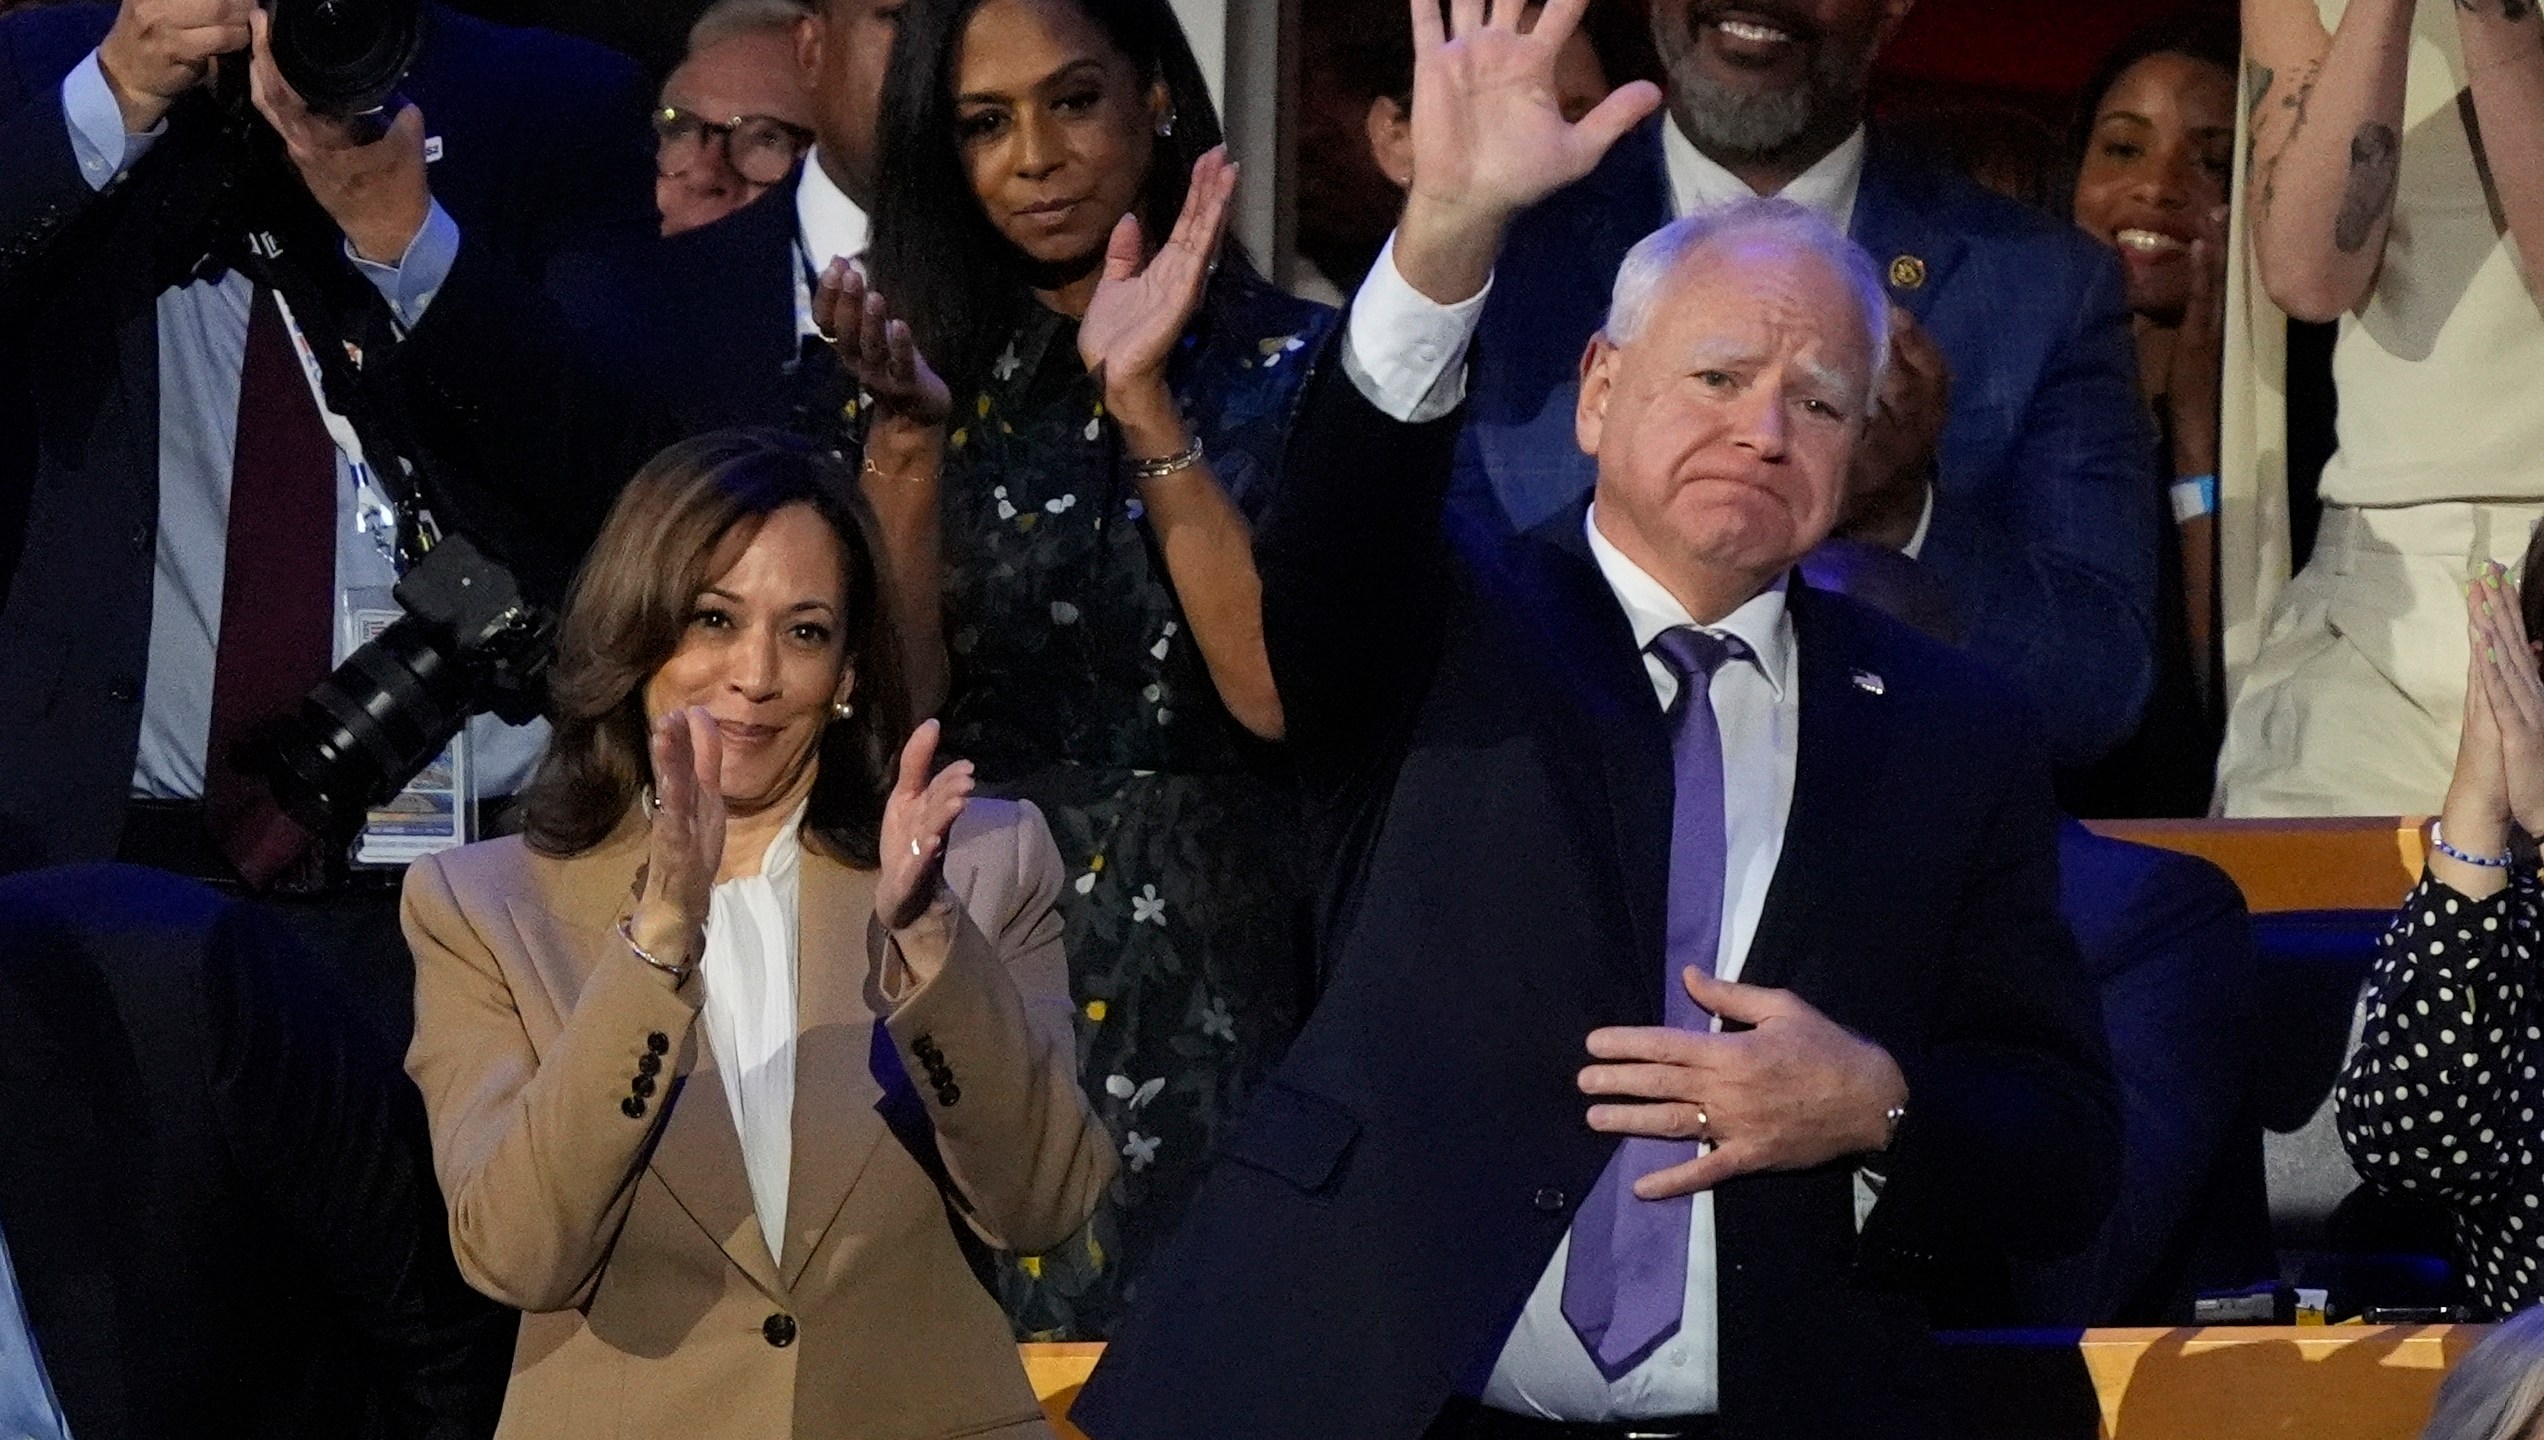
column 2441, row 1097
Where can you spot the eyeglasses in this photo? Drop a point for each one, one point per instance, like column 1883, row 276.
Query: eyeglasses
column 761, row 150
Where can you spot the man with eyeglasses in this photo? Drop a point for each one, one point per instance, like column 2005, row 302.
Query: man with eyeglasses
column 735, row 118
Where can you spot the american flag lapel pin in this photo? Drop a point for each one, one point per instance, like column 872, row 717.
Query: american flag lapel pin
column 1870, row 683
column 432, row 148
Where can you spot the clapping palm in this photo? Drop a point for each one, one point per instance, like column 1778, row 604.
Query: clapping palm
column 1141, row 309
column 2504, row 706
column 1489, row 134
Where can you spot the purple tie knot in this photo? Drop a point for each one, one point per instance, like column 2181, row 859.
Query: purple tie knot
column 1695, row 655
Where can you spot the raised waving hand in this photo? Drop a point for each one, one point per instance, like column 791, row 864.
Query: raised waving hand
column 1489, row 134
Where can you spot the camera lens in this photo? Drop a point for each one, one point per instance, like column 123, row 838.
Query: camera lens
column 346, row 57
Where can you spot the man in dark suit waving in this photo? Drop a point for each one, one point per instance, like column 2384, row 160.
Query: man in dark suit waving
column 1697, row 986
column 2010, row 454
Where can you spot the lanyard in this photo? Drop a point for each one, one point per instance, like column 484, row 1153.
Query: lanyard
column 375, row 515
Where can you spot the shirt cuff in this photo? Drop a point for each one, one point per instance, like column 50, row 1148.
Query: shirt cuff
column 1925, row 524
column 1407, row 352
column 410, row 285
column 98, row 140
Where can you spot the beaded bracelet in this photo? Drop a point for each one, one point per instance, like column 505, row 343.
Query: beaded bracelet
column 2438, row 842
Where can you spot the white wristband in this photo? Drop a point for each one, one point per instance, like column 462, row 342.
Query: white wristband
column 2193, row 498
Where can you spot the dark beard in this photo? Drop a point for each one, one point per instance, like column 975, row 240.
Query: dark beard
column 1727, row 122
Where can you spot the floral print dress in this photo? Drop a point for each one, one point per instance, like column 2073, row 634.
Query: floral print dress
column 1077, row 684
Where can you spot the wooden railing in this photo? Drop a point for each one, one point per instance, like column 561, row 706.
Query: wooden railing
column 2298, row 864
column 2343, row 1382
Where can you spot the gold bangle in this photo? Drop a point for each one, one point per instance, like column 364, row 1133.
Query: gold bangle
column 1175, row 464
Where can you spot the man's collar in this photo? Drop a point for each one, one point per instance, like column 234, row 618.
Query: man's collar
column 1764, row 624
column 1698, row 182
column 829, row 223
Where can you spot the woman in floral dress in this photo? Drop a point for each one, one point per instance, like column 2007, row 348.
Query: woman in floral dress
column 1070, row 508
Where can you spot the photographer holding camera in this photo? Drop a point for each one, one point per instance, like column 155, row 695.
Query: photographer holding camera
column 206, row 500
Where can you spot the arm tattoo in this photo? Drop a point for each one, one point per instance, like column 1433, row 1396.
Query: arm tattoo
column 2258, row 78
column 2295, row 102
column 2375, row 172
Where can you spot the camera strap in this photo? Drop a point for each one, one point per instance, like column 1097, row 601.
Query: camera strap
column 376, row 515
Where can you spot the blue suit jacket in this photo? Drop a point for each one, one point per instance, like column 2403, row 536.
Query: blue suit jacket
column 2046, row 506
column 543, row 147
column 1393, row 1192
column 2169, row 945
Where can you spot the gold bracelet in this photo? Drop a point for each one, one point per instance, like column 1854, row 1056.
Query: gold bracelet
column 1175, row 464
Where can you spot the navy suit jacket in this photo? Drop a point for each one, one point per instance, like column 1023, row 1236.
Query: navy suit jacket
column 2169, row 945
column 217, row 1186
column 1396, row 1188
column 2047, row 510
column 543, row 146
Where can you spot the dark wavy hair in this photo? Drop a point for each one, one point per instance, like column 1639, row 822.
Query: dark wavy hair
column 2202, row 35
column 935, row 253
column 678, row 523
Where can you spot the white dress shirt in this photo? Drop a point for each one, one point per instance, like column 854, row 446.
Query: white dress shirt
column 828, row 226
column 1544, row 1371
column 1829, row 187
column 749, row 970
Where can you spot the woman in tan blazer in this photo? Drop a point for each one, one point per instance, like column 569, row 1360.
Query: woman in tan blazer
column 722, row 1050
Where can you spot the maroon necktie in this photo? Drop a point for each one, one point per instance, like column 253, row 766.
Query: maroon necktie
column 277, row 592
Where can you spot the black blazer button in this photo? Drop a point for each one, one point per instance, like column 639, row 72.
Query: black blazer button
column 632, row 1107
column 1549, row 1201
column 643, row 1085
column 949, row 1094
column 778, row 1330
column 659, row 1043
column 649, row 1063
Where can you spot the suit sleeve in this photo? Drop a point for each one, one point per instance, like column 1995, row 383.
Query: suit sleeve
column 1356, row 571
column 2011, row 1144
column 43, row 192
column 2056, row 555
column 2436, row 1098
column 330, row 1136
column 2180, row 1002
column 538, row 1151
column 988, row 1036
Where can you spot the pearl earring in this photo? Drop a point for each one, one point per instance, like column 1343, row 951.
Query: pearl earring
column 1166, row 128
column 842, row 710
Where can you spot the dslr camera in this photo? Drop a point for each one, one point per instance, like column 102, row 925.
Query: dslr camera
column 468, row 642
column 346, row 57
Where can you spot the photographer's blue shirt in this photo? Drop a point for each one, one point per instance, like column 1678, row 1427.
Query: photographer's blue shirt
column 202, row 350
column 28, row 1409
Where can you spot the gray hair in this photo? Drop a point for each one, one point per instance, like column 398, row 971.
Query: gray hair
column 1649, row 266
column 2496, row 1392
column 732, row 19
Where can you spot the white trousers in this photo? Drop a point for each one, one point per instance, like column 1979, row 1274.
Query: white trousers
column 2355, row 703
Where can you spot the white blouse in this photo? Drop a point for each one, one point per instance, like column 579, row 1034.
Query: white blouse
column 749, row 973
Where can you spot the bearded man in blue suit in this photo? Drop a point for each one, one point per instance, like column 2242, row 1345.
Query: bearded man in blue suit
column 2010, row 456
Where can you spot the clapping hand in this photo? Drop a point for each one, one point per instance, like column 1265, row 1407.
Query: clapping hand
column 2500, row 768
column 370, row 181
column 877, row 349
column 1894, row 467
column 687, row 844
column 1489, row 134
column 1143, row 303
column 916, row 819
column 1795, row 1090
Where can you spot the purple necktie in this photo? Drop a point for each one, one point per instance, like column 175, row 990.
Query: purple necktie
column 1626, row 1282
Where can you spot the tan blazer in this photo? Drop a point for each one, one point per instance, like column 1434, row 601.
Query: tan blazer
column 594, row 1175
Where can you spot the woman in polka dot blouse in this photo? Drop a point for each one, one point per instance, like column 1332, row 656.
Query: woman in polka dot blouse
column 2443, row 1096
